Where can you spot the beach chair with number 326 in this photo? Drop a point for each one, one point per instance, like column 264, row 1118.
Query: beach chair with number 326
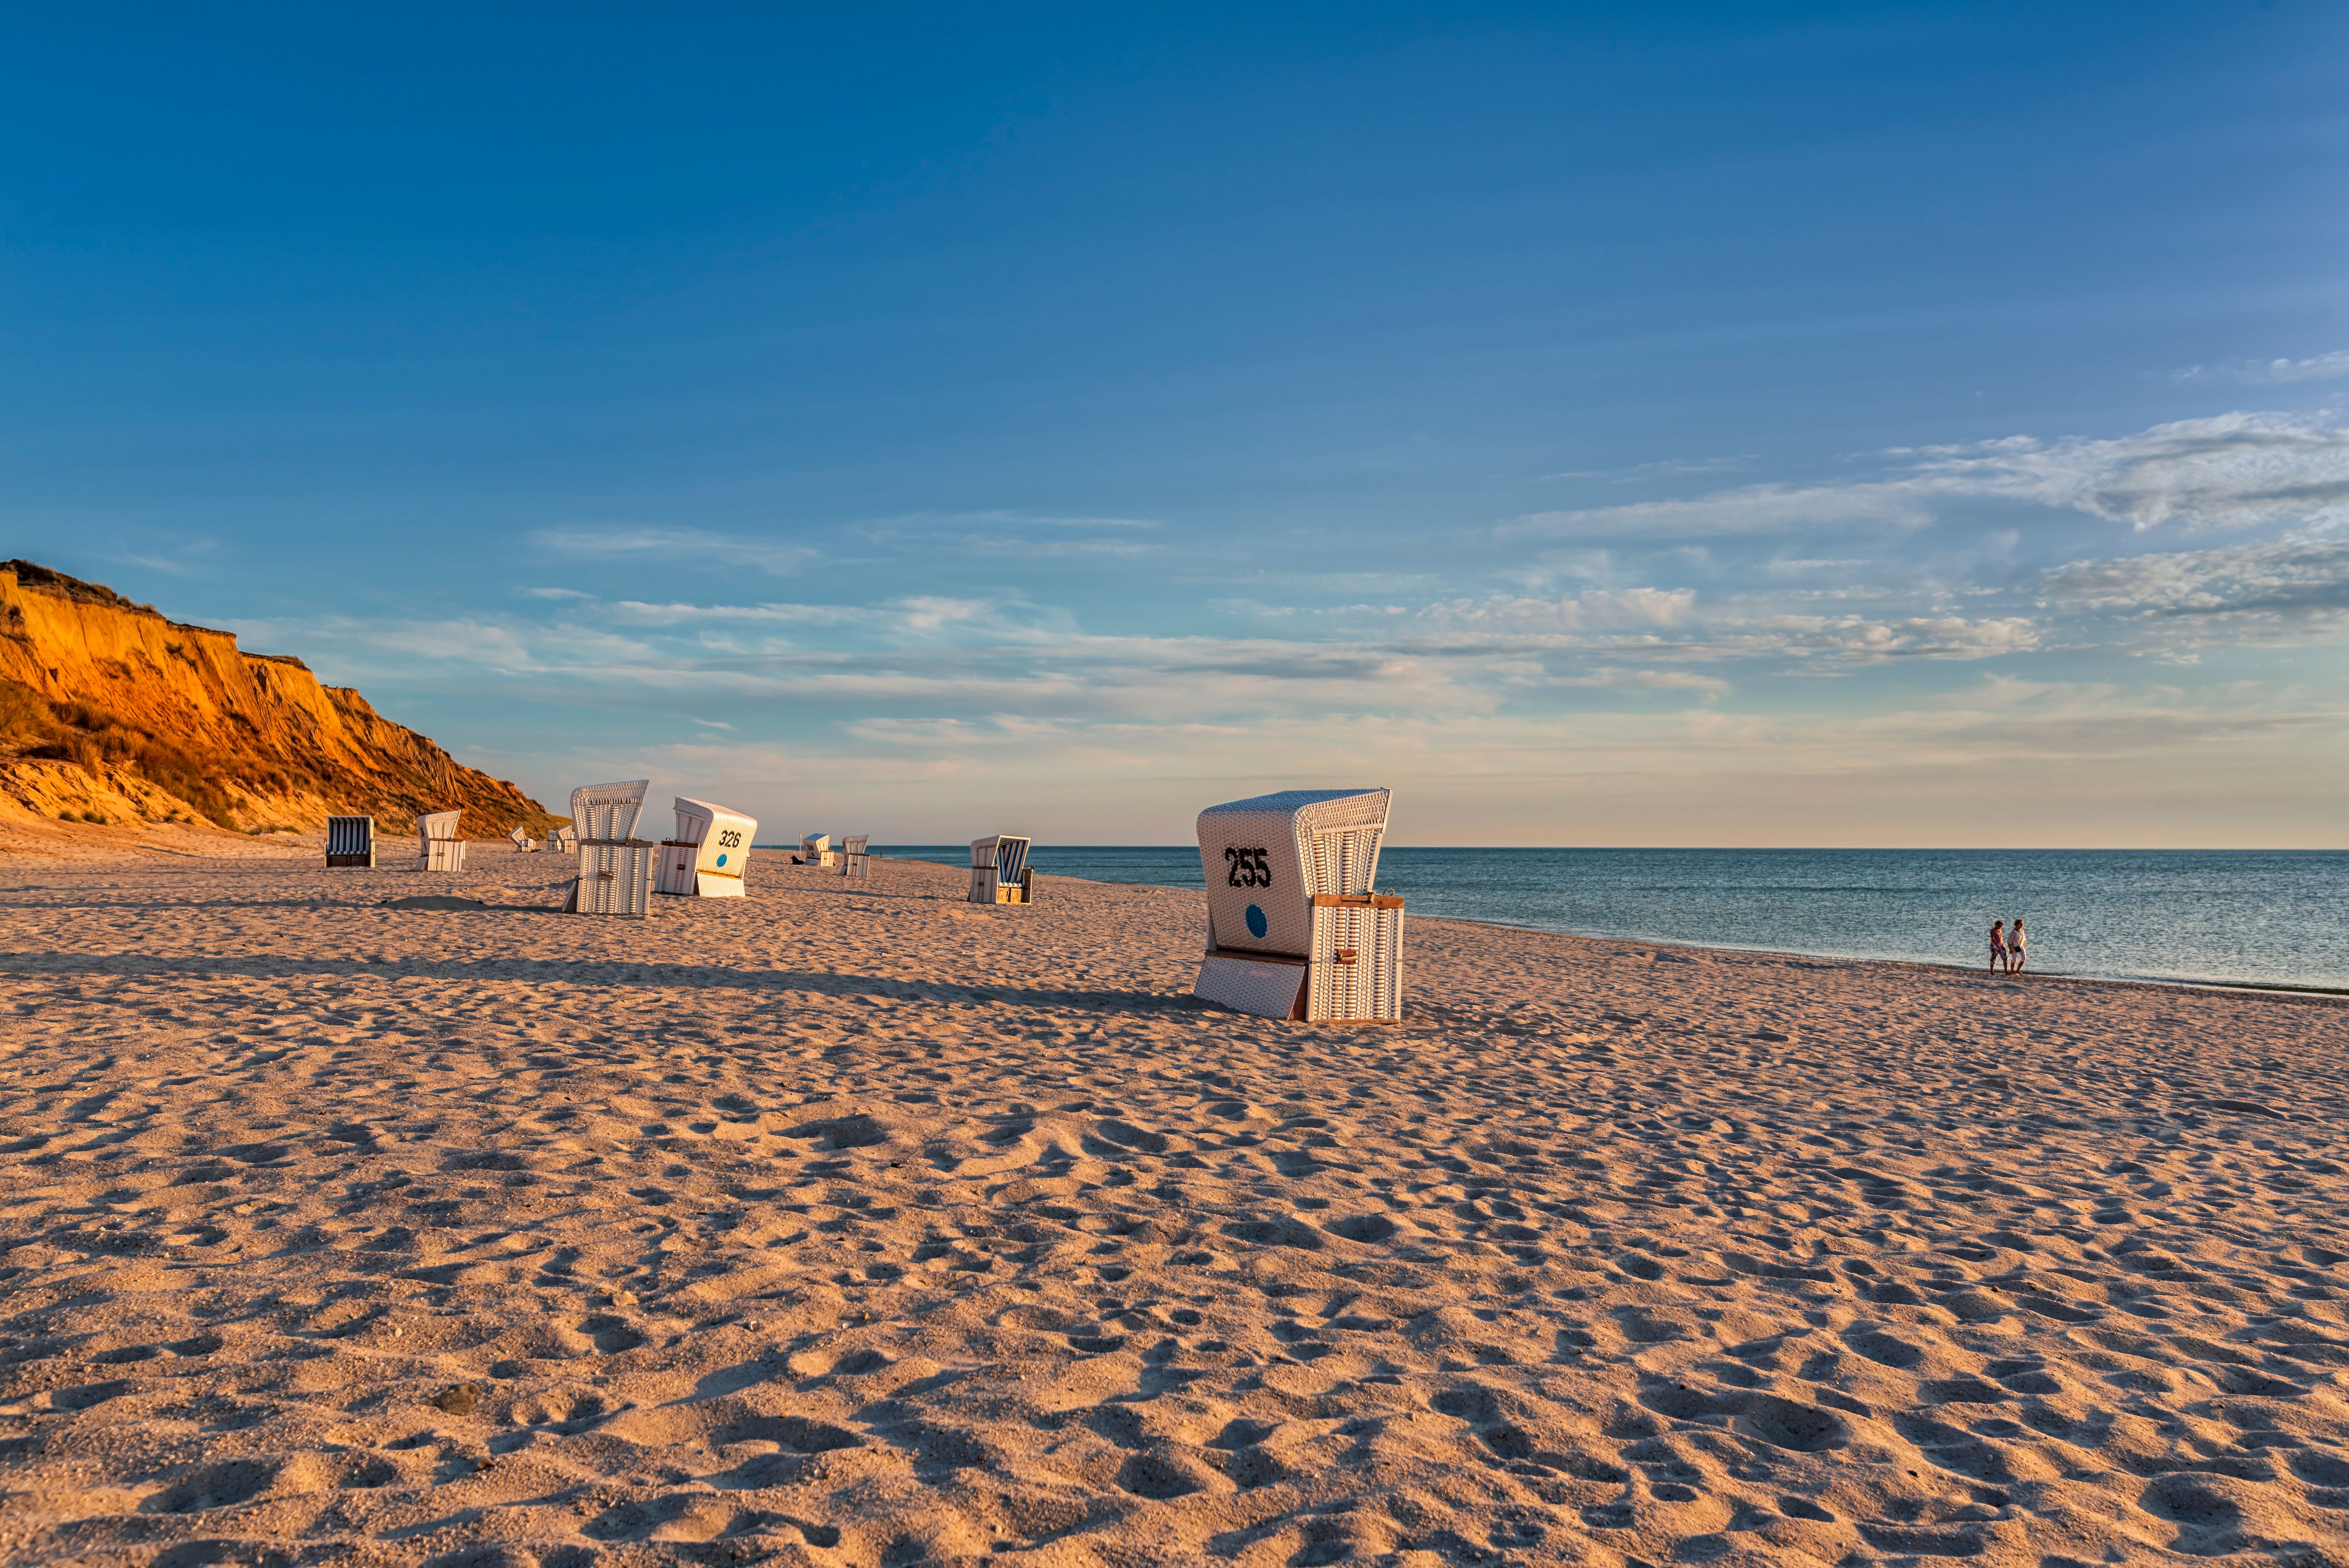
column 709, row 853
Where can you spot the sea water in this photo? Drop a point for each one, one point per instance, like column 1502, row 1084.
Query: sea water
column 2260, row 917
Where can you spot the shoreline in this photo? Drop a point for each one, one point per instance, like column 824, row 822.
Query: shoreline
column 2151, row 981
column 2289, row 987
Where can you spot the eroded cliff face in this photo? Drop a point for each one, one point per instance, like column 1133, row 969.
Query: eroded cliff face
column 108, row 710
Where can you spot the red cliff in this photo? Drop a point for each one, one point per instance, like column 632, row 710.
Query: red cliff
column 110, row 712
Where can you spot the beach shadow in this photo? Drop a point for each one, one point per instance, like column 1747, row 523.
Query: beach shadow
column 594, row 973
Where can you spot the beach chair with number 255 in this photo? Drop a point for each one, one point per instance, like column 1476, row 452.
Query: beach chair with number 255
column 1294, row 930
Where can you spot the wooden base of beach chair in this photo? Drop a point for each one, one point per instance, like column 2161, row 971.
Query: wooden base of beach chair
column 673, row 872
column 442, row 855
column 616, row 877
column 367, row 861
column 1355, row 976
column 1357, row 959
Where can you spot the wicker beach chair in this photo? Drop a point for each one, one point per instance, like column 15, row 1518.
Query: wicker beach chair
column 522, row 840
column 350, row 841
column 815, row 850
column 562, row 840
column 616, row 867
column 999, row 870
column 438, row 849
column 1294, row 929
column 855, row 862
column 706, row 858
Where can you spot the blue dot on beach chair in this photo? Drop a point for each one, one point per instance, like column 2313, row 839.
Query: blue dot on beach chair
column 721, row 859
column 1256, row 920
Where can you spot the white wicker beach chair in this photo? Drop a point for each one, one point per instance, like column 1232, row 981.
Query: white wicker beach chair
column 706, row 858
column 815, row 850
column 562, row 840
column 438, row 849
column 615, row 868
column 1294, row 930
column 855, row 862
column 998, row 870
column 350, row 841
column 520, row 840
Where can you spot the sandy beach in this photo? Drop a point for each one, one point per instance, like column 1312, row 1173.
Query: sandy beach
column 858, row 1225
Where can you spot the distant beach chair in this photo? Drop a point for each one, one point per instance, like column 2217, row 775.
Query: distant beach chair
column 350, row 841
column 438, row 849
column 562, row 840
column 616, row 867
column 815, row 850
column 1294, row 930
column 855, row 863
column 706, row 858
column 999, row 870
column 522, row 840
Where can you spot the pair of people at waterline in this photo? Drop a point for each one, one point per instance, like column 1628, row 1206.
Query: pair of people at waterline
column 2006, row 949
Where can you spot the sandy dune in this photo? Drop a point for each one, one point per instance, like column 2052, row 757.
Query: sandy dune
column 869, row 1227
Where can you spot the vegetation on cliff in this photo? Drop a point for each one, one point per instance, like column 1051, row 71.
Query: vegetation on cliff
column 110, row 711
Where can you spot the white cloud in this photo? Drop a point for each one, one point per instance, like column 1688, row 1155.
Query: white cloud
column 1610, row 676
column 1593, row 609
column 553, row 593
column 2300, row 579
column 2232, row 472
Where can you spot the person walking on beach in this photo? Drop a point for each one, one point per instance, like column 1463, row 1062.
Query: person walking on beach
column 1997, row 946
column 2014, row 947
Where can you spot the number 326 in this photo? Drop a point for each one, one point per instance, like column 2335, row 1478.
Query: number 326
column 1248, row 868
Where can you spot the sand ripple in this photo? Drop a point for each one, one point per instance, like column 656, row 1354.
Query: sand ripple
column 866, row 1227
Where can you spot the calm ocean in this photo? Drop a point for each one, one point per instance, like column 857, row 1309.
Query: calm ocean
column 2271, row 918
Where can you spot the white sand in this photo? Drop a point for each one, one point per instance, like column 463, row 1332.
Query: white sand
column 868, row 1227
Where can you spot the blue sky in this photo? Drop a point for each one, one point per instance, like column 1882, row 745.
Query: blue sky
column 1604, row 425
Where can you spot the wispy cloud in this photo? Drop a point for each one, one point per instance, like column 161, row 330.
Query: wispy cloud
column 1669, row 468
column 2235, row 471
column 1712, row 687
column 2271, row 372
column 683, row 547
column 1593, row 609
column 2303, row 580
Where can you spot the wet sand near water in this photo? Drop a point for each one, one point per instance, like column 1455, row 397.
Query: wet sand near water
column 855, row 1224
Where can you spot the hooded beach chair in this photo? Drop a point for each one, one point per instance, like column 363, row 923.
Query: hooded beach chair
column 350, row 841
column 855, row 862
column 1294, row 930
column 520, row 840
column 438, row 849
column 998, row 870
column 706, row 858
column 562, row 840
column 616, row 867
column 815, row 850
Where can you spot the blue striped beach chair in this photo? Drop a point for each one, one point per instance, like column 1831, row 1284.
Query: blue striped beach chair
column 350, row 841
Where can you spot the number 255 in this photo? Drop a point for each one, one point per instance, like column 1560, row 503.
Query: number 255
column 1248, row 868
